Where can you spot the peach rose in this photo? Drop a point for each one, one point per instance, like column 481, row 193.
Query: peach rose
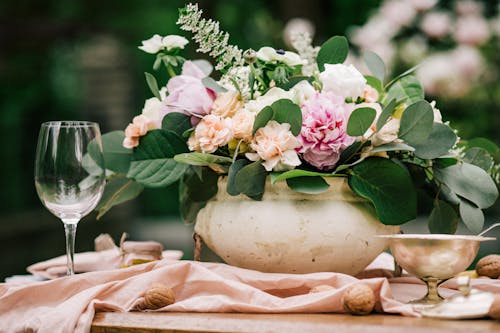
column 227, row 104
column 139, row 127
column 243, row 125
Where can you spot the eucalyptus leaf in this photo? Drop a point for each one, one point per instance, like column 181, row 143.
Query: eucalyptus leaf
column 388, row 186
column 210, row 83
column 407, row 89
column 333, row 51
column 279, row 176
column 393, row 146
column 118, row 190
column 479, row 157
column 350, row 152
column 116, row 157
column 416, row 123
column 402, row 75
column 202, row 159
column 438, row 143
column 375, row 64
column 232, row 189
column 251, row 179
column 156, row 172
column 488, row 145
column 375, row 83
column 263, row 118
column 472, row 216
column 157, row 144
column 386, row 113
column 176, row 122
column 153, row 85
column 443, row 218
column 287, row 112
column 360, row 121
column 470, row 182
column 308, row 185
column 292, row 81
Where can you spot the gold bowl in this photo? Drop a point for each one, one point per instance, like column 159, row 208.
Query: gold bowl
column 434, row 258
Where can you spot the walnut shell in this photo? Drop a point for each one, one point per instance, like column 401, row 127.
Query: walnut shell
column 157, row 297
column 495, row 308
column 489, row 266
column 358, row 299
column 320, row 288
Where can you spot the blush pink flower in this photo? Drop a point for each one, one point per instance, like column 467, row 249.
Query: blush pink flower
column 187, row 93
column 139, row 127
column 276, row 145
column 211, row 133
column 324, row 124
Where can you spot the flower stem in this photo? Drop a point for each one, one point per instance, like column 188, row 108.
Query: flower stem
column 170, row 70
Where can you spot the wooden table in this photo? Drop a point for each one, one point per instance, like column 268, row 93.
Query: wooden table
column 138, row 322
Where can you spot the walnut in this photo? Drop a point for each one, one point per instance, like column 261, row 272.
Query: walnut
column 495, row 308
column 358, row 299
column 320, row 288
column 158, row 296
column 489, row 266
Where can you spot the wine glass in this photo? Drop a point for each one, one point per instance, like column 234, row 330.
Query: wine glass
column 69, row 173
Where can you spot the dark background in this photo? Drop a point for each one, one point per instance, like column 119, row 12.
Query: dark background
column 79, row 60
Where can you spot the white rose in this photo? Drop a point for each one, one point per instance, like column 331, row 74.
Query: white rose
column 153, row 111
column 302, row 92
column 157, row 43
column 342, row 80
column 268, row 54
column 268, row 98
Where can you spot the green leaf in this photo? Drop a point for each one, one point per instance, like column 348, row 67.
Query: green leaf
column 388, row 186
column 416, row 123
column 153, row 85
column 360, row 121
column 386, row 113
column 116, row 157
column 440, row 141
column 333, row 51
column 251, row 180
column 375, row 83
column 157, row 172
column 393, row 146
column 479, row 157
column 375, row 64
column 262, row 118
column 195, row 192
column 118, row 190
column 279, row 176
column 486, row 144
column 472, row 216
column 470, row 182
column 213, row 85
column 443, row 219
column 232, row 189
column 292, row 81
column 287, row 112
column 176, row 122
column 201, row 159
column 350, row 152
column 402, row 75
column 408, row 89
column 308, row 185
column 157, row 144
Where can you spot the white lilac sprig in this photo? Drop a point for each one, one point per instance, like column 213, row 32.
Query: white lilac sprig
column 210, row 38
column 302, row 43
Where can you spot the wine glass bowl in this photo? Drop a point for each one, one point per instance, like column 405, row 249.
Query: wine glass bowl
column 434, row 258
column 69, row 173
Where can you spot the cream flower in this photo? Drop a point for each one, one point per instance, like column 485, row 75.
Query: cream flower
column 211, row 133
column 342, row 80
column 302, row 92
column 268, row 54
column 370, row 94
column 227, row 104
column 267, row 99
column 275, row 144
column 387, row 134
column 156, row 43
column 243, row 125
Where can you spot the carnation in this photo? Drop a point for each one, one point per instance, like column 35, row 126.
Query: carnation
column 211, row 133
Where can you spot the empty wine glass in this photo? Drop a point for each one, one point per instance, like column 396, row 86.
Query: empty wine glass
column 69, row 173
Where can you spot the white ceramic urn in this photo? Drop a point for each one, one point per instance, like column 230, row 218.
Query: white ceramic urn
column 291, row 232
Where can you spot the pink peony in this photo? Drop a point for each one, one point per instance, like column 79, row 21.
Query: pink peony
column 188, row 94
column 324, row 125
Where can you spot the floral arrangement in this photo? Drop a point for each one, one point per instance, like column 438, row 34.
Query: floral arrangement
column 297, row 117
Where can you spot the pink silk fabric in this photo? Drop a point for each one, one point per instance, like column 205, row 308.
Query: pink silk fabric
column 68, row 304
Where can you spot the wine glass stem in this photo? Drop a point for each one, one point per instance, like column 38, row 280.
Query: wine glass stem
column 70, row 231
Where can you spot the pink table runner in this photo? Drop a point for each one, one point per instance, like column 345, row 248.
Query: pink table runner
column 69, row 303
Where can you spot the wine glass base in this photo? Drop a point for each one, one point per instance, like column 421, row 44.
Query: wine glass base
column 426, row 302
